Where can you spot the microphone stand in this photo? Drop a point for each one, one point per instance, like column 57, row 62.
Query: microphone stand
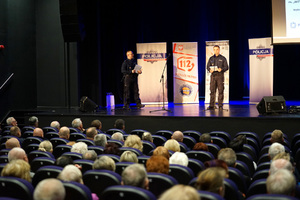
column 162, row 79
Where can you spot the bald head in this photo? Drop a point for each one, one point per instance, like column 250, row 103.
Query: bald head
column 178, row 135
column 64, row 132
column 17, row 153
column 38, row 132
column 280, row 164
column 55, row 124
column 11, row 143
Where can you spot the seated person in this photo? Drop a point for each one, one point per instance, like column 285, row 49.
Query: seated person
column 161, row 151
column 179, row 158
column 135, row 175
column 17, row 168
column 147, row 137
column 158, row 164
column 200, row 146
column 172, row 145
column 180, row 192
column 104, row 162
column 129, row 156
column 134, row 141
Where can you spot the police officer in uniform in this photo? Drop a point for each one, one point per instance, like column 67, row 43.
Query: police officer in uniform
column 130, row 77
column 217, row 77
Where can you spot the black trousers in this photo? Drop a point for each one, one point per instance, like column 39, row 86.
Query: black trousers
column 131, row 85
column 216, row 81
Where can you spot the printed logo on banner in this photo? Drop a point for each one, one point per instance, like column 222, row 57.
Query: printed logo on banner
column 261, row 52
column 180, row 47
column 185, row 90
column 153, row 56
column 185, row 63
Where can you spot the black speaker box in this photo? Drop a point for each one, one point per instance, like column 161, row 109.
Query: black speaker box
column 271, row 104
column 87, row 105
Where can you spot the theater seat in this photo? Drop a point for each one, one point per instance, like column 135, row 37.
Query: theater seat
column 60, row 149
column 271, row 197
column 42, row 173
column 138, row 132
column 73, row 155
column 40, row 162
column 76, row 190
column 257, row 187
column 159, row 140
column 222, row 134
column 34, row 154
column 196, row 166
column 76, row 136
column 114, row 130
column 165, row 133
column 98, row 149
column 120, row 166
column 158, row 183
column 200, row 155
column 127, row 193
column 238, row 178
column 181, row 173
column 147, row 147
column 231, row 190
column 85, row 164
column 15, row 188
column 204, row 195
column 134, row 150
column 192, row 133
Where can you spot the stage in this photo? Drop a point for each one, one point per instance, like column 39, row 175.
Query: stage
column 237, row 116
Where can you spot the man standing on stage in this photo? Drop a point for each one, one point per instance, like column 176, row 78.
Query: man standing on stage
column 130, row 77
column 216, row 65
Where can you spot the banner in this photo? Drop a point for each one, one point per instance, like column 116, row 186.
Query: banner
column 185, row 72
column 261, row 69
column 224, row 51
column 152, row 57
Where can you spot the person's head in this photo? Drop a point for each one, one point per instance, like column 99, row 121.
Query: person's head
column 11, row 121
column 55, row 124
column 180, row 192
column 158, row 164
column 135, row 175
column 277, row 136
column 71, row 173
column 112, row 148
column 90, row 155
column 79, row 147
column 128, row 156
column 216, row 50
column 38, row 132
column 237, row 143
column 161, row 151
column 97, row 124
column 46, row 146
column 220, row 164
column 281, row 164
column 178, row 136
column 15, row 131
column 117, row 136
column 11, row 143
column 275, row 149
column 281, row 182
column 63, row 161
column 104, row 162
column 91, row 133
column 77, row 123
column 120, row 124
column 134, row 141
column 64, row 132
column 100, row 140
column 17, row 168
column 283, row 155
column 179, row 158
column 211, row 180
column 17, row 153
column 172, row 145
column 205, row 138
column 147, row 137
column 227, row 155
column 200, row 146
column 49, row 189
column 129, row 55
column 33, row 121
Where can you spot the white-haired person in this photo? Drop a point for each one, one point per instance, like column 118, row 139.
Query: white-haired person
column 79, row 147
column 179, row 158
column 77, row 124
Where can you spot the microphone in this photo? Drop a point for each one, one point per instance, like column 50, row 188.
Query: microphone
column 2, row 47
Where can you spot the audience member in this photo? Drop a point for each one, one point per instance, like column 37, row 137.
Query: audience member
column 79, row 147
column 100, row 140
column 282, row 155
column 135, row 175
column 104, row 162
column 77, row 124
column 49, row 189
column 281, row 182
column 179, row 158
column 237, row 143
column 46, row 146
column 228, row 156
column 128, row 156
column 172, row 145
column 55, row 124
column 11, row 121
column 17, row 153
column 33, row 121
column 11, row 143
column 17, row 168
column 180, row 192
column 161, row 151
column 277, row 136
column 64, row 133
column 281, row 164
column 117, row 136
column 211, row 180
column 275, row 149
column 147, row 137
column 91, row 133
column 178, row 136
column 71, row 173
column 120, row 124
column 97, row 124
column 112, row 148
column 134, row 141
column 205, row 138
column 90, row 155
column 63, row 161
column 220, row 164
column 38, row 132
column 158, row 164
column 200, row 146
column 15, row 131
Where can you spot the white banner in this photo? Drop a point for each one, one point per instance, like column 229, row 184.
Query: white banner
column 185, row 72
column 152, row 57
column 224, row 50
column 261, row 69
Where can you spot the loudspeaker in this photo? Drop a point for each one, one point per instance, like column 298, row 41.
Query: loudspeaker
column 87, row 105
column 271, row 104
